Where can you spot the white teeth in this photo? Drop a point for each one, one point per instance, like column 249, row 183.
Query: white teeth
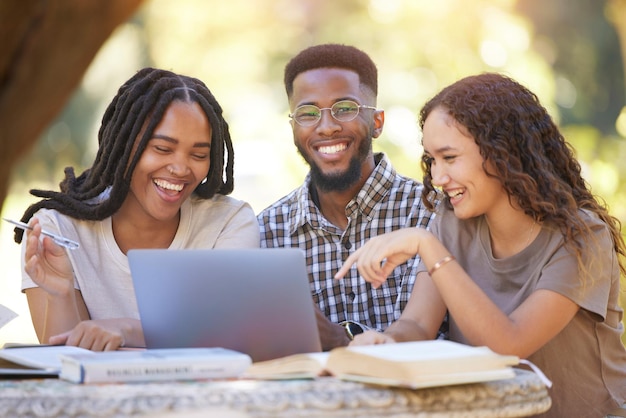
column 168, row 186
column 332, row 149
column 454, row 193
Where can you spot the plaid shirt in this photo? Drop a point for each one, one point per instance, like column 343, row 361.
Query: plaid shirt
column 387, row 201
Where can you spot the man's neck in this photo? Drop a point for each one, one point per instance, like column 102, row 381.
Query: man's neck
column 332, row 204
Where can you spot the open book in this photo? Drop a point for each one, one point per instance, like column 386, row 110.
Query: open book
column 34, row 360
column 411, row 364
column 6, row 315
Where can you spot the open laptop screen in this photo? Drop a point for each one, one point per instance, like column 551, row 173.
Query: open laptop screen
column 256, row 301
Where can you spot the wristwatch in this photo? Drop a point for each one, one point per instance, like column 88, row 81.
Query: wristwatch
column 353, row 328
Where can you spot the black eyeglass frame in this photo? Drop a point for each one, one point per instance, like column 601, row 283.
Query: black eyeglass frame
column 333, row 113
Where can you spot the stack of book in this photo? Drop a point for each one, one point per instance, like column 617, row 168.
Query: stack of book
column 411, row 364
column 84, row 366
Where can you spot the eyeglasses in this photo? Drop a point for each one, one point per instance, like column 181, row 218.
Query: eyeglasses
column 343, row 111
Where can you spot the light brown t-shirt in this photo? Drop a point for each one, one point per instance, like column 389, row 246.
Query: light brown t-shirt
column 101, row 268
column 587, row 360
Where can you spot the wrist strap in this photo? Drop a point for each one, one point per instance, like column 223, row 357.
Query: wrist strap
column 353, row 328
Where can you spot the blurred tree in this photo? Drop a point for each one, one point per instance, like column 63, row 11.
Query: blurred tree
column 564, row 50
column 46, row 47
column 584, row 49
column 616, row 14
column 419, row 47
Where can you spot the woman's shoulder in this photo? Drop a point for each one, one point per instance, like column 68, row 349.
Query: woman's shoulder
column 72, row 228
column 592, row 219
column 600, row 231
column 218, row 200
column 220, row 207
column 52, row 217
column 221, row 221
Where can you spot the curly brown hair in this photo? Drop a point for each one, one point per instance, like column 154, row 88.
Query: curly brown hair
column 530, row 156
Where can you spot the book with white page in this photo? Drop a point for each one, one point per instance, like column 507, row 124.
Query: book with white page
column 34, row 360
column 295, row 366
column 6, row 315
column 415, row 364
column 154, row 365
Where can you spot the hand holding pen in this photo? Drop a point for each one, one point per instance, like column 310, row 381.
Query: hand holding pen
column 47, row 261
column 58, row 239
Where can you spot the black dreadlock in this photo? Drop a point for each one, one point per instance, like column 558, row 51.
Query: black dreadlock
column 139, row 105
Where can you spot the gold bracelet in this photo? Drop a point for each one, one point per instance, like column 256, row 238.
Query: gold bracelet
column 440, row 264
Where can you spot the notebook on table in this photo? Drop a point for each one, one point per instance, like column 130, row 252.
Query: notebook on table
column 256, row 301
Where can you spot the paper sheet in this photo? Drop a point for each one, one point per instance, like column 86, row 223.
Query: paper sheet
column 6, row 315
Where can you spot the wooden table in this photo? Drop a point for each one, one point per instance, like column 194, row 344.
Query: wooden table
column 524, row 395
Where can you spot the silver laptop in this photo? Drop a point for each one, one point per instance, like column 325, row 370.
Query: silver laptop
column 256, row 301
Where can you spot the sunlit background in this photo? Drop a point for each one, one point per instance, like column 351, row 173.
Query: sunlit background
column 566, row 51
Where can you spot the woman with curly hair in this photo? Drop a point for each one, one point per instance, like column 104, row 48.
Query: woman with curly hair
column 160, row 179
column 521, row 255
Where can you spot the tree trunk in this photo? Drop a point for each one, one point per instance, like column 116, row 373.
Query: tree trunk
column 46, row 47
column 616, row 14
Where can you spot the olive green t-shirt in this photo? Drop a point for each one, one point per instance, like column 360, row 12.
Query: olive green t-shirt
column 586, row 361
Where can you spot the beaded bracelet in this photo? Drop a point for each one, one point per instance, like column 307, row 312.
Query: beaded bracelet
column 440, row 264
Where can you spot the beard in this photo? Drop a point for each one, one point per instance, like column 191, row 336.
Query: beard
column 342, row 180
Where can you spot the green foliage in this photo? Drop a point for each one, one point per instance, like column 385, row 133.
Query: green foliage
column 239, row 48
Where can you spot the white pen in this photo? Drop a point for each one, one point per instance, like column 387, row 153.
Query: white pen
column 58, row 239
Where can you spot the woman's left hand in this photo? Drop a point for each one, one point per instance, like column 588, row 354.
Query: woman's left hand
column 101, row 334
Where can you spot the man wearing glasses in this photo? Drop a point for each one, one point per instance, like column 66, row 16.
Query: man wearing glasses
column 349, row 195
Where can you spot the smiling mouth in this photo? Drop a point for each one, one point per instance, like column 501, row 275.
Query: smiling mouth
column 168, row 186
column 454, row 193
column 332, row 149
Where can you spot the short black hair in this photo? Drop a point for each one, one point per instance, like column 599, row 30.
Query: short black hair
column 333, row 56
column 139, row 103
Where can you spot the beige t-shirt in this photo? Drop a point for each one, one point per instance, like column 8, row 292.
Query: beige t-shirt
column 101, row 269
column 587, row 360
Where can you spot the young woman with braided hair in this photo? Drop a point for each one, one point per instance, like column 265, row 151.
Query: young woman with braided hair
column 160, row 179
column 522, row 255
